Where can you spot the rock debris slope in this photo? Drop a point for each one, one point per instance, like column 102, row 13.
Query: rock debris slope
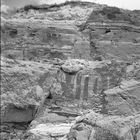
column 70, row 71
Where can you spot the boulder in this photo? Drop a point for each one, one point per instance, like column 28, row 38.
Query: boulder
column 51, row 131
column 17, row 114
column 123, row 100
column 93, row 126
column 73, row 66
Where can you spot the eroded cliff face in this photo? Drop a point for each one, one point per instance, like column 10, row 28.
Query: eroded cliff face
column 72, row 30
column 62, row 61
column 32, row 41
column 114, row 33
column 53, row 36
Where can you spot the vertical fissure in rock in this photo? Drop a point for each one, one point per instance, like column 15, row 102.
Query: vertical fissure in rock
column 105, row 83
column 103, row 102
column 69, row 85
column 78, row 87
column 95, row 87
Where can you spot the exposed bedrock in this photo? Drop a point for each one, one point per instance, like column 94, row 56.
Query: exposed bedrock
column 109, row 40
column 63, row 61
column 123, row 100
column 42, row 43
column 72, row 30
column 93, row 126
column 74, row 85
column 29, row 42
column 74, row 80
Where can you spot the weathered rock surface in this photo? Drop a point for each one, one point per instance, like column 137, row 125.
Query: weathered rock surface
column 93, row 126
column 69, row 82
column 60, row 61
column 90, row 81
column 123, row 100
column 55, row 36
column 30, row 83
column 19, row 93
column 48, row 32
column 51, row 131
column 112, row 35
column 17, row 114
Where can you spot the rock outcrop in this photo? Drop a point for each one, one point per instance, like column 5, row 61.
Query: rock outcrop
column 61, row 61
column 113, row 33
column 124, row 100
column 93, row 126
column 20, row 82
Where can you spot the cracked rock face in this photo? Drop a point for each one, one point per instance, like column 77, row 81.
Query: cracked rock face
column 70, row 71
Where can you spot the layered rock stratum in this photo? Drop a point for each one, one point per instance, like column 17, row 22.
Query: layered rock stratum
column 70, row 71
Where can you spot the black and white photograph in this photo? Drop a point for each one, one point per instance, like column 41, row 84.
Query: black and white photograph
column 70, row 70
